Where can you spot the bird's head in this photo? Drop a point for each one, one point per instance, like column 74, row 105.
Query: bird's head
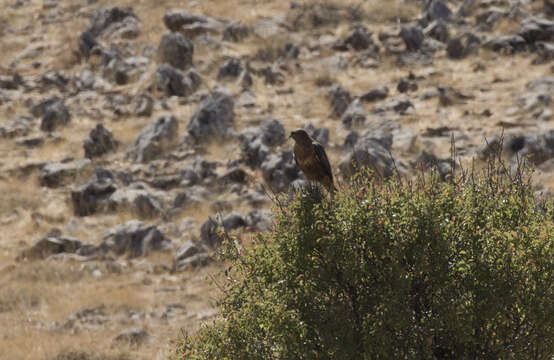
column 300, row 136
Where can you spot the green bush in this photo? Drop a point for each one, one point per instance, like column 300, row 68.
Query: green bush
column 425, row 270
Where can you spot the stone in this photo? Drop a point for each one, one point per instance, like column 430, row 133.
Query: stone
column 257, row 141
column 339, row 99
column 358, row 39
column 461, row 46
column 154, row 140
column 144, row 106
column 536, row 29
column 412, row 36
column 87, row 44
column 136, row 200
column 280, row 170
column 507, row 44
column 235, row 175
column 231, row 68
column 54, row 113
column 214, row 119
column 436, row 10
column 88, row 198
column 209, row 233
column 369, row 152
column 134, row 239
column 235, row 32
column 115, row 21
column 50, row 245
column 173, row 82
column 99, row 142
column 174, row 20
column 16, row 127
column 135, row 337
column 437, row 30
column 375, row 95
column 176, row 50
column 355, row 115
column 57, row 174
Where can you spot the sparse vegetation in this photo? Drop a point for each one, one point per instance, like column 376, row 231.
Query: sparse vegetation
column 423, row 270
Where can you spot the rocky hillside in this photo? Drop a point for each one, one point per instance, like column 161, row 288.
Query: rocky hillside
column 131, row 131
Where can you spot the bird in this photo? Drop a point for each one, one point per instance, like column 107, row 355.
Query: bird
column 311, row 158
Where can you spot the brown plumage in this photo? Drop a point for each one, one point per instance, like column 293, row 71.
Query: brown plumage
column 311, row 158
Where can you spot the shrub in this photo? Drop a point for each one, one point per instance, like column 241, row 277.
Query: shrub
column 424, row 270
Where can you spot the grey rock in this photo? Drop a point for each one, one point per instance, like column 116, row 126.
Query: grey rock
column 209, row 233
column 135, row 337
column 355, row 114
column 99, row 142
column 174, row 20
column 138, row 201
column 234, row 221
column 375, row 94
column 11, row 82
column 16, row 127
column 176, row 50
column 235, row 175
column 437, row 30
column 50, row 245
column 134, row 239
column 536, row 29
column 257, row 141
column 116, row 22
column 53, row 111
column 173, row 82
column 358, row 39
column 279, row 170
column 462, row 46
column 369, row 152
column 144, row 105
column 339, row 99
column 88, row 198
column 259, row 220
column 88, row 45
column 231, row 68
column 507, row 44
column 412, row 36
column 235, row 32
column 58, row 174
column 193, row 261
column 154, row 140
column 213, row 119
column 436, row 10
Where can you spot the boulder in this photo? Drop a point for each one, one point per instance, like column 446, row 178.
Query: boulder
column 52, row 244
column 136, row 200
column 369, row 152
column 154, row 140
column 280, row 170
column 231, row 69
column 134, row 239
column 88, row 198
column 375, row 95
column 99, row 142
column 412, row 36
column 339, row 99
column 355, row 115
column 235, row 32
column 54, row 113
column 115, row 21
column 190, row 255
column 176, row 50
column 214, row 119
column 57, row 174
column 173, row 82
column 358, row 39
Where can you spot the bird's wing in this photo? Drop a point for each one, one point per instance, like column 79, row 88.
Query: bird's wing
column 322, row 159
